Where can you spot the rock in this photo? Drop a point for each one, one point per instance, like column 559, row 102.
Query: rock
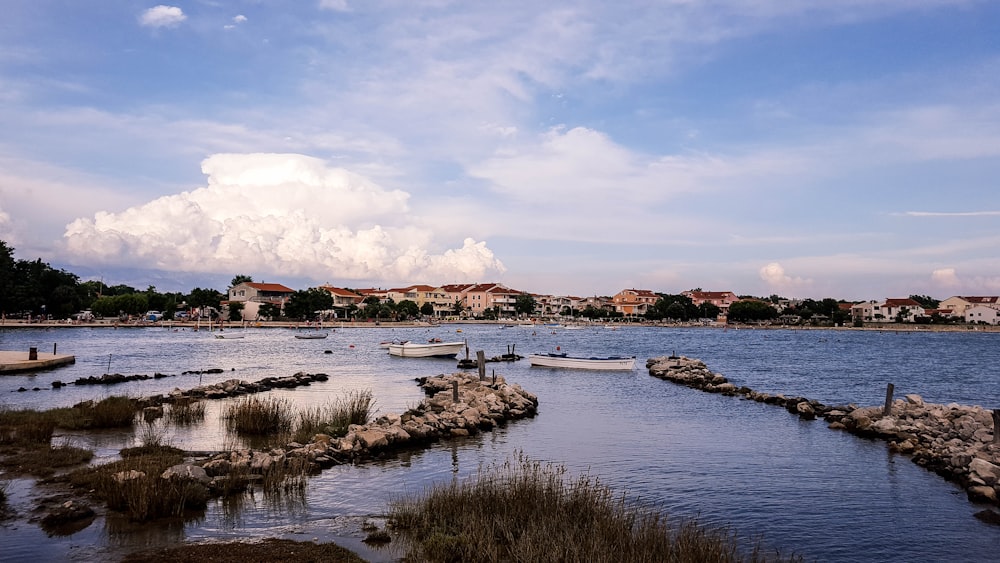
column 67, row 513
column 982, row 494
column 805, row 410
column 372, row 439
column 988, row 472
column 186, row 471
column 915, row 400
column 989, row 516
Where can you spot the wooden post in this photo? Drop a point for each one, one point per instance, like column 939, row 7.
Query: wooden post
column 481, row 363
column 55, row 345
column 996, row 426
column 454, row 390
column 32, row 353
column 887, row 410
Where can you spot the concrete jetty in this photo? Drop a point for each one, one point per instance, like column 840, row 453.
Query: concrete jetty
column 12, row 362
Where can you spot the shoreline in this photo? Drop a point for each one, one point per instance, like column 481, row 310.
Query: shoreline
column 295, row 325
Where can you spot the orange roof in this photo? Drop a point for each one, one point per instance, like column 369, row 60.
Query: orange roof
column 272, row 287
column 340, row 291
column 901, row 303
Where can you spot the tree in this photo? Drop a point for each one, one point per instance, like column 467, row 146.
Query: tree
column 268, row 311
column 407, row 309
column 926, row 301
column 458, row 308
column 204, row 298
column 240, row 278
column 708, row 311
column 236, row 310
column 751, row 310
column 524, row 304
column 305, row 304
column 427, row 309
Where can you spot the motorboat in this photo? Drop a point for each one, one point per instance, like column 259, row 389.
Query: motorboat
column 578, row 362
column 429, row 350
column 312, row 335
column 387, row 343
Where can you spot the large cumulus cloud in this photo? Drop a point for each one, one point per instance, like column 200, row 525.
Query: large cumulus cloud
column 278, row 214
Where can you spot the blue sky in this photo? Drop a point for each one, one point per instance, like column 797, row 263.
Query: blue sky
column 823, row 148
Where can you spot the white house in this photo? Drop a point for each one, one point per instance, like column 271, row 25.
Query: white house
column 982, row 314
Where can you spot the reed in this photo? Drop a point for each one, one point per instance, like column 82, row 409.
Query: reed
column 354, row 407
column 134, row 487
column 113, row 412
column 259, row 416
column 524, row 511
column 185, row 413
column 26, row 426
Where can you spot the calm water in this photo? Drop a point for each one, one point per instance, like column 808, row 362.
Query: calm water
column 765, row 473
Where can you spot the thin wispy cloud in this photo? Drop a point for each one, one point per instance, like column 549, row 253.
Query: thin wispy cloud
column 949, row 213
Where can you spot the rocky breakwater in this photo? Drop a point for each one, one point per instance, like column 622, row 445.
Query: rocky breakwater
column 481, row 405
column 955, row 441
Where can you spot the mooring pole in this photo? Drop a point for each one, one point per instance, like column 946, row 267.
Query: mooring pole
column 454, row 390
column 54, row 346
column 481, row 364
column 887, row 410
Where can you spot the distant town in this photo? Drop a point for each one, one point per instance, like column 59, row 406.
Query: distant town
column 32, row 291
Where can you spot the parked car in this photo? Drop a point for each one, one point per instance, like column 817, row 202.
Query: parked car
column 153, row 316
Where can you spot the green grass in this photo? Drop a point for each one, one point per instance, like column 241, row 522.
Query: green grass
column 524, row 511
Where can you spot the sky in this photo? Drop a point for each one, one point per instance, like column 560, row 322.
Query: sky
column 805, row 148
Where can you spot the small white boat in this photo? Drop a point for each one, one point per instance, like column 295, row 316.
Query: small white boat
column 577, row 362
column 387, row 343
column 229, row 335
column 312, row 335
column 430, row 350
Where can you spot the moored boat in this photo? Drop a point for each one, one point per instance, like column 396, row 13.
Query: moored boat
column 229, row 335
column 312, row 335
column 579, row 362
column 430, row 350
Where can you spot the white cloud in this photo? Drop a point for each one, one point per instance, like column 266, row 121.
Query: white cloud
column 948, row 278
column 774, row 275
column 279, row 214
column 335, row 5
column 239, row 18
column 162, row 16
column 945, row 277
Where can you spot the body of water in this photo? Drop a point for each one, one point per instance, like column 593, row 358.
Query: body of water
column 755, row 468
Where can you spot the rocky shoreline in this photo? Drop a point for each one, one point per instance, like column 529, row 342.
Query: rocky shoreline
column 955, row 441
column 480, row 405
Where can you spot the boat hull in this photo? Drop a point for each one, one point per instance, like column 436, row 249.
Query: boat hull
column 563, row 361
column 434, row 350
column 318, row 336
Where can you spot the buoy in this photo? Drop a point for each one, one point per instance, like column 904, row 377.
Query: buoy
column 351, row 346
column 459, row 330
column 327, row 351
column 558, row 347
